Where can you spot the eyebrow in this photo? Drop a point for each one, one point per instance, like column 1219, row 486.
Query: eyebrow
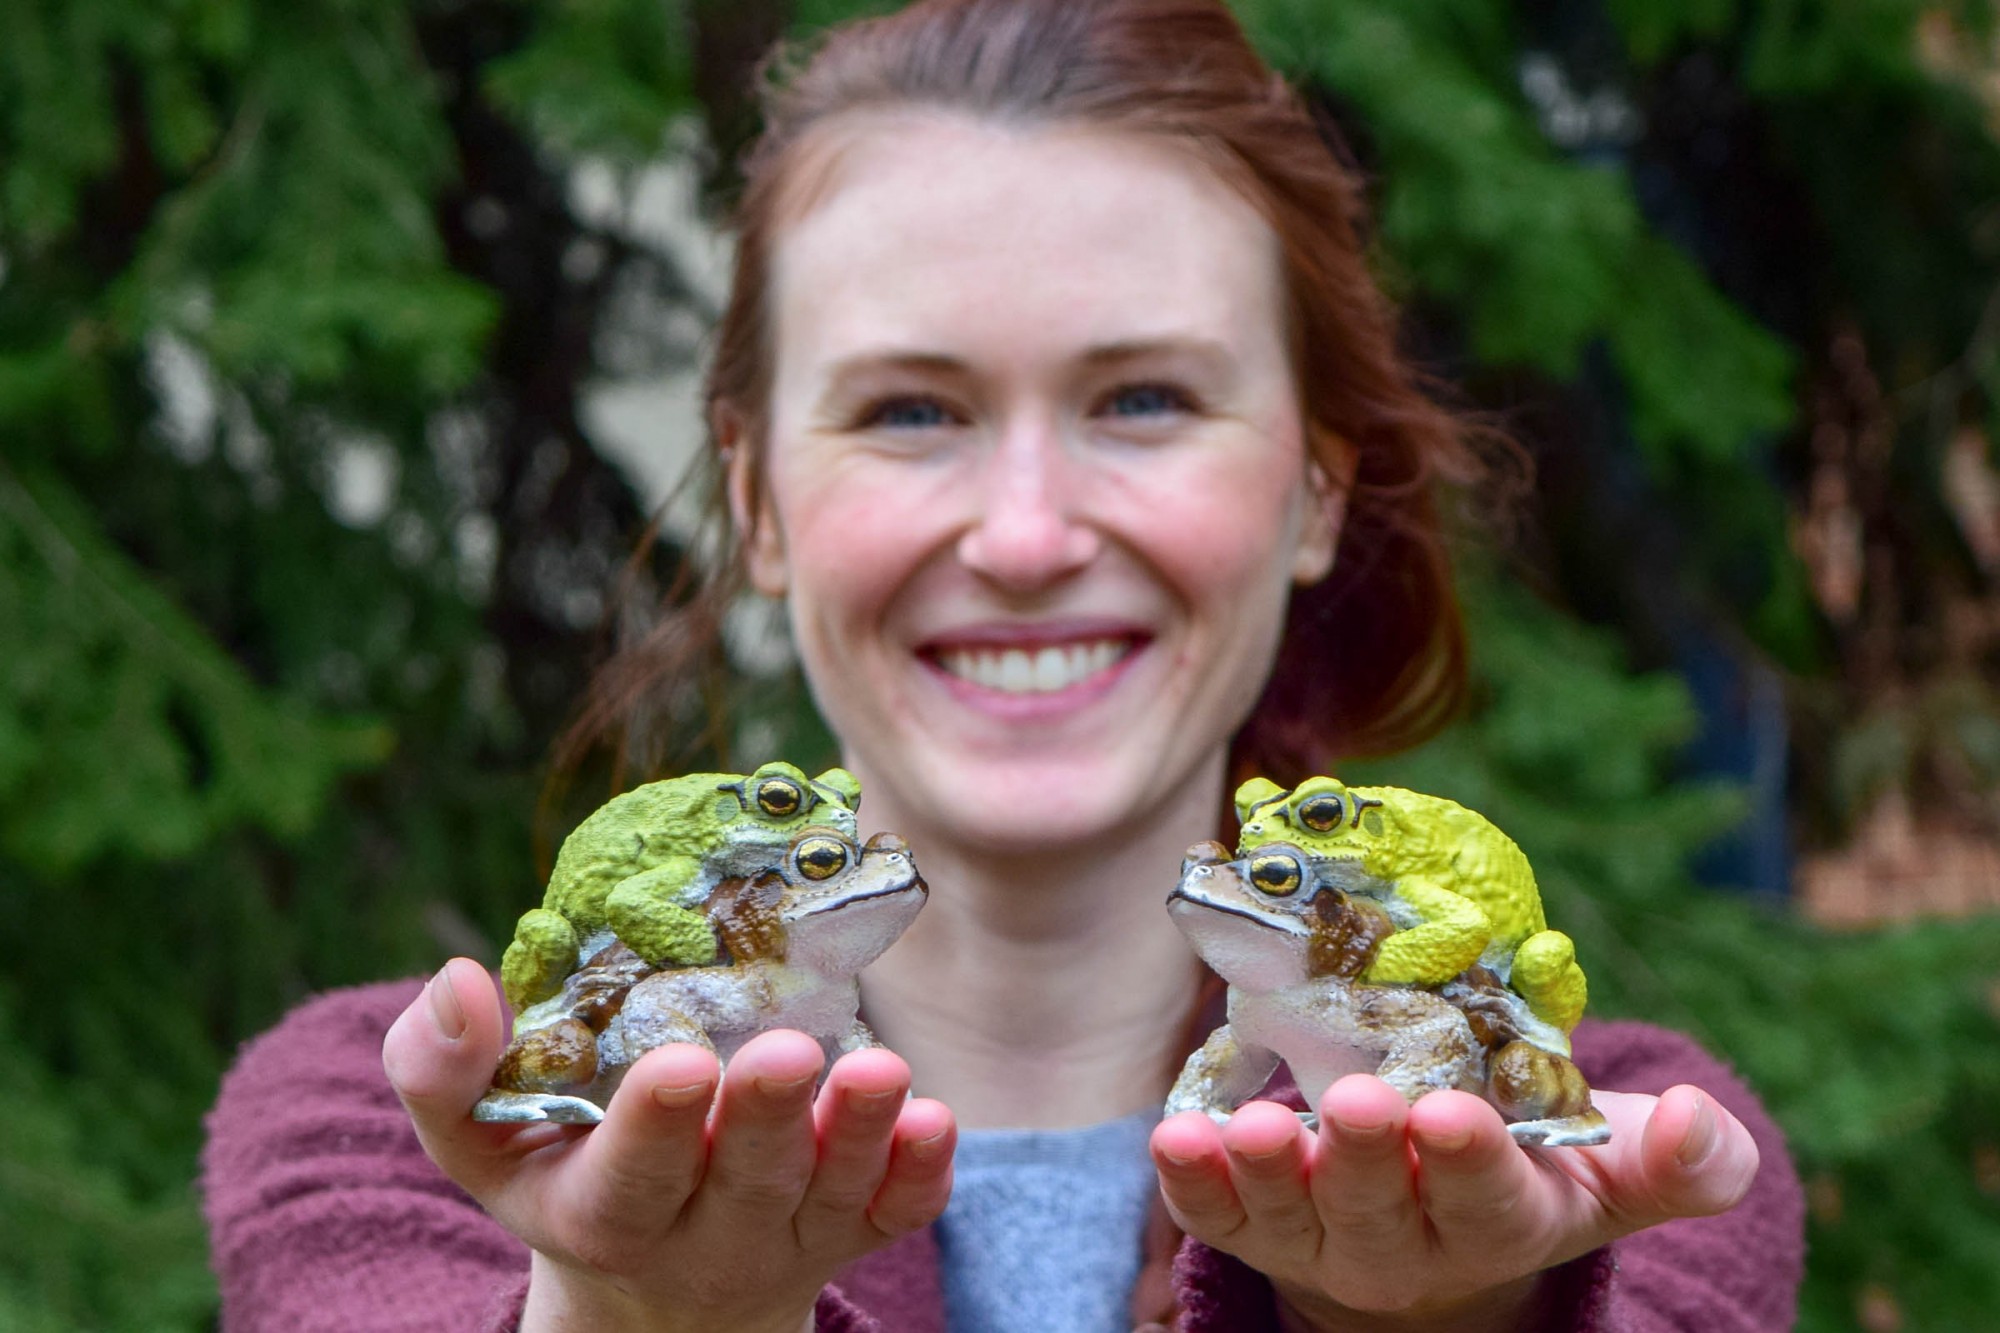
column 1207, row 350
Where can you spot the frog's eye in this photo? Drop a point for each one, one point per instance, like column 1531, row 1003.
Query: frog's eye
column 1275, row 873
column 820, row 858
column 779, row 797
column 1321, row 811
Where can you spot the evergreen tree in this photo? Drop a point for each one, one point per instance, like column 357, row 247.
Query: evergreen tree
column 306, row 537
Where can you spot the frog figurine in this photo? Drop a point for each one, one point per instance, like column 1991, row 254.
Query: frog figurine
column 640, row 868
column 792, row 937
column 1458, row 889
column 1307, row 933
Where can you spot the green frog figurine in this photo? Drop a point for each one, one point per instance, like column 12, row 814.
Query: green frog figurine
column 1377, row 930
column 641, row 867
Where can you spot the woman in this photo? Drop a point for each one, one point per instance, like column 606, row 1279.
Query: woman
column 1059, row 407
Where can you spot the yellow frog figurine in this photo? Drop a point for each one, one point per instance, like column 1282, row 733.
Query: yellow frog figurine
column 1457, row 889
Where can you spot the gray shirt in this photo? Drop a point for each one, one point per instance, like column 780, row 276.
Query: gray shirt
column 1044, row 1227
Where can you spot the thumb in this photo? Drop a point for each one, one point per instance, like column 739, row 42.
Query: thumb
column 1699, row 1159
column 439, row 1055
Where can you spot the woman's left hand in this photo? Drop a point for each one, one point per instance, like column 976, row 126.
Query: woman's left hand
column 1429, row 1216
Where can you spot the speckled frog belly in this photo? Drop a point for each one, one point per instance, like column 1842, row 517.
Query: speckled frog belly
column 1327, row 1028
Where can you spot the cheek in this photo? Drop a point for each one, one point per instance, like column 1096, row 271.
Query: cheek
column 849, row 546
column 1226, row 528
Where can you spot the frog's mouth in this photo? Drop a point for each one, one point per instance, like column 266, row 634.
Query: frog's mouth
column 1193, row 895
column 1247, row 943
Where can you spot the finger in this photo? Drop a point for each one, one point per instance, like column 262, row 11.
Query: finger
column 1194, row 1178
column 761, row 1147
column 1474, row 1183
column 917, row 1182
column 1698, row 1159
column 1363, row 1178
column 855, row 1117
column 1268, row 1150
column 637, row 1169
column 439, row 1056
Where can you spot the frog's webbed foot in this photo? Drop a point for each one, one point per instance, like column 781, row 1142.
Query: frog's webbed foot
column 857, row 1038
column 526, row 1108
column 1571, row 1131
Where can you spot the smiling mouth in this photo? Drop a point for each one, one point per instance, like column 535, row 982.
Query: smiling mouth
column 1049, row 669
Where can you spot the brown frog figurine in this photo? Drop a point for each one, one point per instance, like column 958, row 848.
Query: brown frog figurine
column 790, row 942
column 1293, row 947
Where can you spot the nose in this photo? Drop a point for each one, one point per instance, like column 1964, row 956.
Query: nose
column 1030, row 529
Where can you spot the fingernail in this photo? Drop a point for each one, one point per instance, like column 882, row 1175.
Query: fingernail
column 783, row 1087
column 926, row 1150
column 1360, row 1133
column 1263, row 1156
column 872, row 1100
column 1702, row 1136
column 1177, row 1159
column 446, row 1011
column 1451, row 1140
column 682, row 1097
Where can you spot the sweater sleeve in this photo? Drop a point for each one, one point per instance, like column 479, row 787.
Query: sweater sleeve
column 1735, row 1273
column 324, row 1213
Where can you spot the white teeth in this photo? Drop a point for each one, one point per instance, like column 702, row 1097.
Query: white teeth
column 1045, row 671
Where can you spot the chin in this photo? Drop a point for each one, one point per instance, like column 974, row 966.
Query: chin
column 1031, row 809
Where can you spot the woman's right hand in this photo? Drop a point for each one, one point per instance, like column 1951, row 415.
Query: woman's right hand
column 661, row 1217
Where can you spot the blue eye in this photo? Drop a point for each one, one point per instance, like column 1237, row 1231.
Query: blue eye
column 1145, row 400
column 907, row 414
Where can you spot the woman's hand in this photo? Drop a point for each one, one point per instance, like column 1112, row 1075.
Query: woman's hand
column 663, row 1217
column 1430, row 1216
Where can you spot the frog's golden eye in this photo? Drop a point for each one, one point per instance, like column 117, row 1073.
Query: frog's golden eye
column 1321, row 811
column 820, row 858
column 779, row 797
column 1275, row 873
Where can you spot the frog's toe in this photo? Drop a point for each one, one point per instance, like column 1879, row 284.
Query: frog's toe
column 525, row 1108
column 1571, row 1131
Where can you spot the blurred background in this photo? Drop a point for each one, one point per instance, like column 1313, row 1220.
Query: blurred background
column 346, row 347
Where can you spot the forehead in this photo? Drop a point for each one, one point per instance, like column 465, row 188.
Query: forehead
column 930, row 228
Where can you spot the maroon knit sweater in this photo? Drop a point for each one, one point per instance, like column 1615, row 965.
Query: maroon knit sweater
column 326, row 1214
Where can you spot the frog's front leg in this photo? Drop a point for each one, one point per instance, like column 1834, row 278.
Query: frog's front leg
column 1221, row 1075
column 857, row 1037
column 1548, row 977
column 648, row 912
column 1450, row 938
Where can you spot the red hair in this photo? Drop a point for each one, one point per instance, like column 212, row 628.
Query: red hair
column 1373, row 656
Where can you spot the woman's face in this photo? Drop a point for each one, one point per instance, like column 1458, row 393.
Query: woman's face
column 1035, row 483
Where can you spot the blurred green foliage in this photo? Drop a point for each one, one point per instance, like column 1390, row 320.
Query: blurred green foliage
column 305, row 536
